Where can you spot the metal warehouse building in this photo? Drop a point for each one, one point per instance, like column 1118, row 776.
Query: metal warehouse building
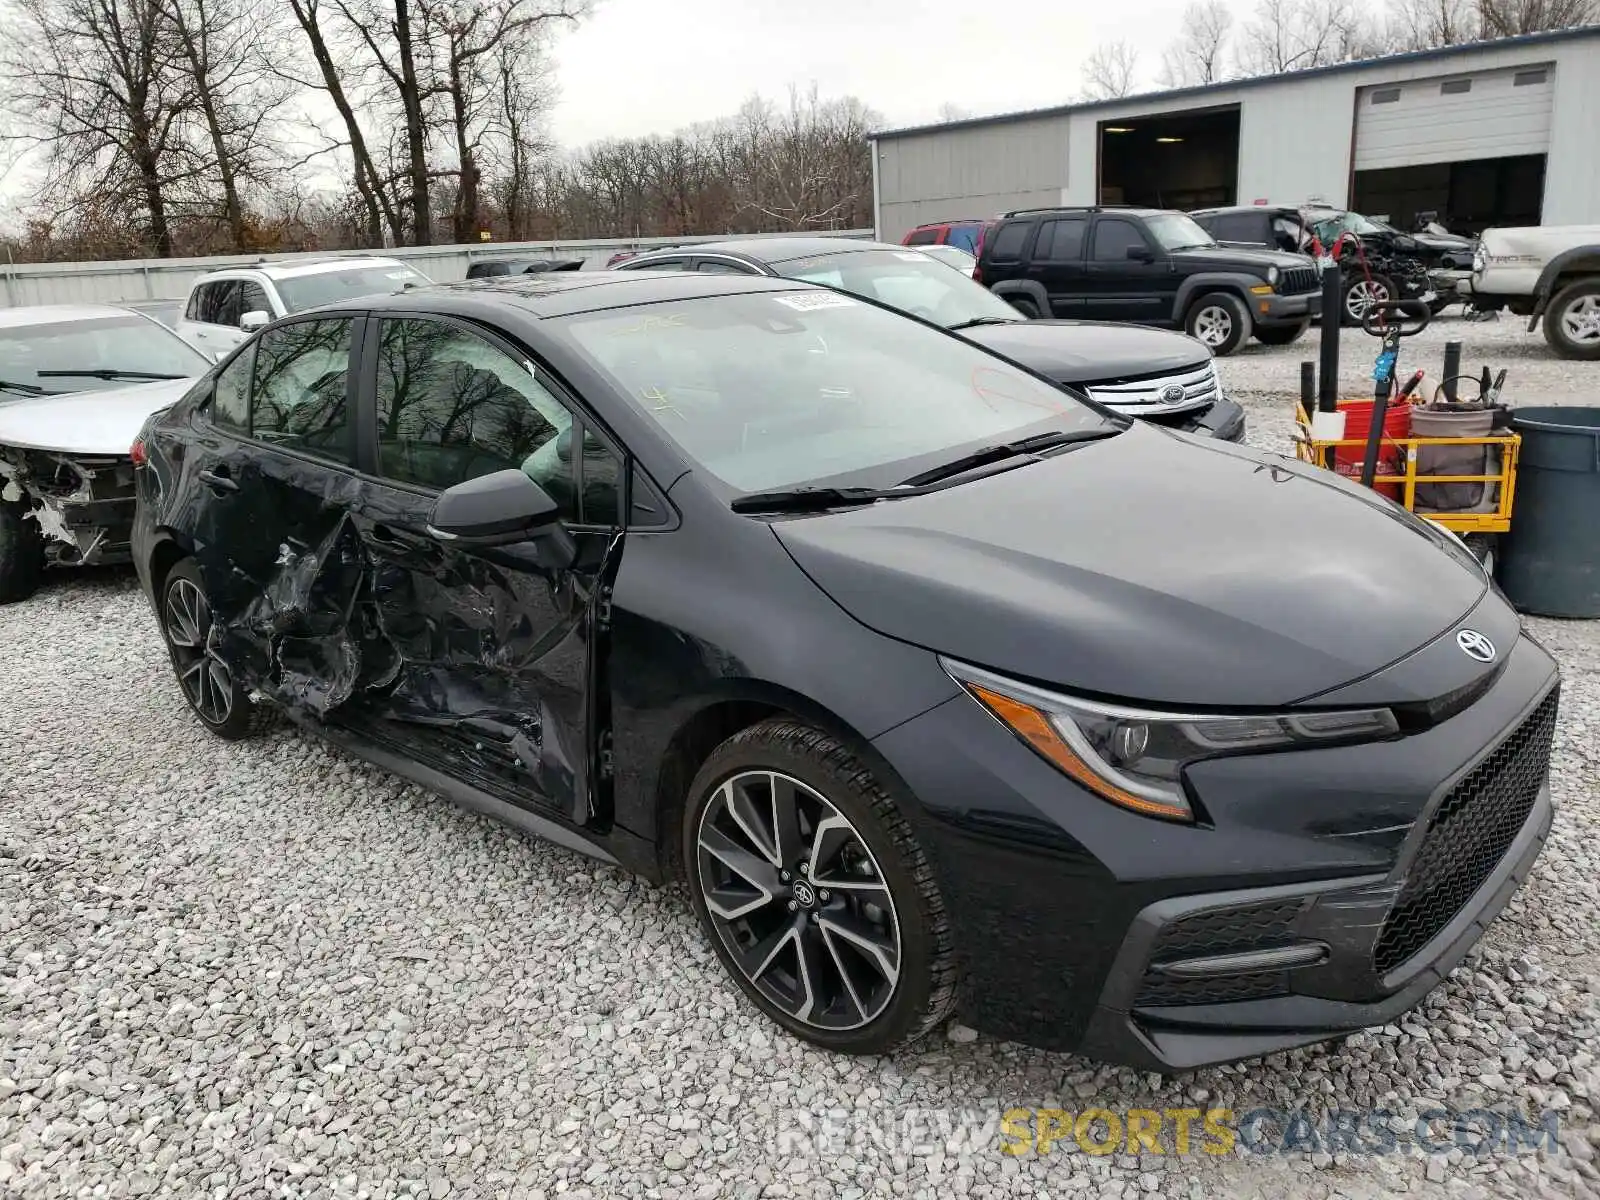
column 1496, row 133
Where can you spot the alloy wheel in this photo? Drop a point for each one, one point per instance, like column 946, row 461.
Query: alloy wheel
column 202, row 674
column 798, row 900
column 1213, row 325
column 1361, row 296
column 1580, row 320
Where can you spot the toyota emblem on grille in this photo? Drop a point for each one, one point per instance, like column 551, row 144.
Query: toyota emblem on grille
column 1474, row 645
column 1172, row 393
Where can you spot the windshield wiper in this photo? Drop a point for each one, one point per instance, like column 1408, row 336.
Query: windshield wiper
column 108, row 373
column 1021, row 448
column 27, row 389
column 809, row 499
column 968, row 324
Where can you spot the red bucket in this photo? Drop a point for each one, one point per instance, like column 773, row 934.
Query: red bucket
column 1347, row 460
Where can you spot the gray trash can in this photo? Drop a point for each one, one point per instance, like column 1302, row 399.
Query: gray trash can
column 1550, row 561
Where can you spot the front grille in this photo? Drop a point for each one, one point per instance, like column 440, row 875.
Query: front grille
column 1157, row 394
column 1260, row 926
column 1297, row 281
column 1467, row 836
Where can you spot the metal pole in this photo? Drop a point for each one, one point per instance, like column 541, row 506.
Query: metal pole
column 1332, row 311
column 1452, row 368
column 1308, row 387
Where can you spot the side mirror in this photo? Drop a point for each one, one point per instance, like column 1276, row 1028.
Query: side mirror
column 1141, row 254
column 494, row 510
column 255, row 319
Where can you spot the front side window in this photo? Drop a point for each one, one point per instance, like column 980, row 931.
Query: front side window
column 254, row 300
column 230, row 400
column 92, row 355
column 1113, row 239
column 299, row 395
column 770, row 390
column 334, row 287
column 452, row 407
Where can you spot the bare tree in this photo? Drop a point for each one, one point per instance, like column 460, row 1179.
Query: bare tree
column 806, row 166
column 97, row 85
column 1427, row 24
column 1296, row 35
column 1506, row 18
column 1199, row 54
column 1109, row 71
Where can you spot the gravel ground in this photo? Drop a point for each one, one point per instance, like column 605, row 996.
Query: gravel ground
column 268, row 970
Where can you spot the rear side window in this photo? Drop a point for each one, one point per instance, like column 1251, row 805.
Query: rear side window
column 924, row 237
column 219, row 303
column 1005, row 243
column 1061, row 240
column 299, row 395
column 1238, row 227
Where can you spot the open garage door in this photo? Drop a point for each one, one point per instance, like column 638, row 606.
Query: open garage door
column 1470, row 148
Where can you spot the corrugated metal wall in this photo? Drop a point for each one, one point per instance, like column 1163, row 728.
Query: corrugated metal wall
column 974, row 172
column 169, row 278
column 1296, row 138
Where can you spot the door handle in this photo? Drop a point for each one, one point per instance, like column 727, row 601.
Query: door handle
column 401, row 542
column 218, row 480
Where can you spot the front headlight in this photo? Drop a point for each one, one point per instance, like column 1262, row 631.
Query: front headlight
column 1272, row 276
column 1135, row 757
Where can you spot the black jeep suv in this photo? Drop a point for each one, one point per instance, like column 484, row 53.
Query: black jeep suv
column 1148, row 266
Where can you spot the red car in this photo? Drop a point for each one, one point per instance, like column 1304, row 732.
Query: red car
column 962, row 233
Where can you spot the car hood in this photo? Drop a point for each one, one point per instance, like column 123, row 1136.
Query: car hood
column 1232, row 258
column 1441, row 241
column 1090, row 351
column 103, row 422
column 1149, row 567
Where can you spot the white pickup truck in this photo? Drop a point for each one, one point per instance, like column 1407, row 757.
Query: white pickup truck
column 227, row 306
column 1548, row 271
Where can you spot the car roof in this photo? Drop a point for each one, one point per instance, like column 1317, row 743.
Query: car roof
column 50, row 314
column 561, row 293
column 777, row 249
column 311, row 266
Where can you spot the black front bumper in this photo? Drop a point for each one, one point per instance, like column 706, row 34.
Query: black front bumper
column 1326, row 891
column 1285, row 310
column 1223, row 420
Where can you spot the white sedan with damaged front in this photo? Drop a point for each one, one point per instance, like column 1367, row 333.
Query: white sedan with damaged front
column 77, row 382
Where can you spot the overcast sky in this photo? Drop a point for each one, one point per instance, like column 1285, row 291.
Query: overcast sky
column 652, row 66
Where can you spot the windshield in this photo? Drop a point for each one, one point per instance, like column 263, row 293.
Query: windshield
column 770, row 390
column 118, row 351
column 330, row 287
column 1329, row 228
column 1175, row 231
column 905, row 279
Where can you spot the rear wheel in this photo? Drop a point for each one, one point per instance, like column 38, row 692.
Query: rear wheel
column 1220, row 321
column 814, row 892
column 1024, row 306
column 1572, row 321
column 21, row 553
column 205, row 678
column 1280, row 335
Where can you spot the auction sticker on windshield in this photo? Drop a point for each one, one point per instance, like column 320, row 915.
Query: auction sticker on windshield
column 806, row 301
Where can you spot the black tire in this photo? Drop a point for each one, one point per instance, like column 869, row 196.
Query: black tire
column 1356, row 295
column 21, row 553
column 1280, row 335
column 1220, row 320
column 1024, row 306
column 208, row 684
column 1484, row 547
column 873, row 852
column 1572, row 321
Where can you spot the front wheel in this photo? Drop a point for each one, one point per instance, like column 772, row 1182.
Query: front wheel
column 21, row 553
column 1220, row 321
column 1572, row 321
column 204, row 676
column 814, row 892
column 1280, row 335
column 1361, row 293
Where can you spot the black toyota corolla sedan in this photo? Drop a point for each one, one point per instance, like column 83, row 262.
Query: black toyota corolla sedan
column 825, row 611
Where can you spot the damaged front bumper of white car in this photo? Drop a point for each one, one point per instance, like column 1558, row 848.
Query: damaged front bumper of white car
column 83, row 503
